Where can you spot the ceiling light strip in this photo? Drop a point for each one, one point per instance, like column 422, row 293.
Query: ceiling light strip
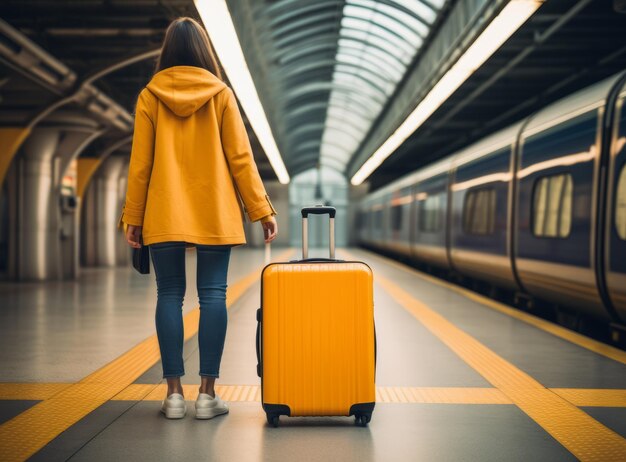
column 221, row 30
column 510, row 19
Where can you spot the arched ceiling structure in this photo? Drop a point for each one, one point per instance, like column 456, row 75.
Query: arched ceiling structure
column 336, row 77
column 326, row 69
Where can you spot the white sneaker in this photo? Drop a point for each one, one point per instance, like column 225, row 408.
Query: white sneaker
column 174, row 406
column 208, row 407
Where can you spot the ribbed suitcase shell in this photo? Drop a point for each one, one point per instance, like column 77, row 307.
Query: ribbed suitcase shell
column 318, row 339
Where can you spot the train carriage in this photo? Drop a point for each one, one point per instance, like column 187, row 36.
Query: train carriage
column 538, row 208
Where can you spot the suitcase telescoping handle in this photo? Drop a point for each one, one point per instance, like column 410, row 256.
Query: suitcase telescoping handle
column 318, row 210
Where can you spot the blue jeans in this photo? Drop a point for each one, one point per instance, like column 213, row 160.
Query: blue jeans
column 168, row 259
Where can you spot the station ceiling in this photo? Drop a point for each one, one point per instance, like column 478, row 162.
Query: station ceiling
column 335, row 76
column 328, row 68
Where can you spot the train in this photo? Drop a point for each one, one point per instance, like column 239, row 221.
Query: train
column 537, row 209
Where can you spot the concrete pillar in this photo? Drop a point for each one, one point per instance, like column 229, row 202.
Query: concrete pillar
column 43, row 241
column 37, row 233
column 72, row 143
column 107, row 208
column 87, row 167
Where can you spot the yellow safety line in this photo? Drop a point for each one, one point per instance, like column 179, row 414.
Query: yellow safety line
column 593, row 398
column 578, row 432
column 580, row 397
column 28, row 432
column 554, row 329
column 30, row 391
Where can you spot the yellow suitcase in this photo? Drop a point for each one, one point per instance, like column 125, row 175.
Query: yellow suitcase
column 316, row 341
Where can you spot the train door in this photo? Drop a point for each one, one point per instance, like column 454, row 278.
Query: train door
column 399, row 221
column 615, row 251
column 429, row 241
column 480, row 214
column 557, row 171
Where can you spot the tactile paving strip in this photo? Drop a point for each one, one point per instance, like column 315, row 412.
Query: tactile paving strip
column 30, row 391
column 580, row 397
column 588, row 398
column 403, row 395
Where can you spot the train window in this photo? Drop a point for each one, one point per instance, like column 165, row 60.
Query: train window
column 360, row 219
column 396, row 218
column 378, row 219
column 430, row 214
column 552, row 206
column 620, row 205
column 479, row 211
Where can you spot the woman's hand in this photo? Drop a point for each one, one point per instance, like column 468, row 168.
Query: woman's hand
column 132, row 236
column 270, row 229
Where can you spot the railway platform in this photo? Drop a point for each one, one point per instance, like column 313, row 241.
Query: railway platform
column 459, row 377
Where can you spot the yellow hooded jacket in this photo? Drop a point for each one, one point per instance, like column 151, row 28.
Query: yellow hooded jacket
column 190, row 159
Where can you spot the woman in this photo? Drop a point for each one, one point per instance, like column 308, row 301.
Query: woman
column 190, row 161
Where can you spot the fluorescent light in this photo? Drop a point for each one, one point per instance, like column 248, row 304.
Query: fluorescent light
column 514, row 14
column 221, row 30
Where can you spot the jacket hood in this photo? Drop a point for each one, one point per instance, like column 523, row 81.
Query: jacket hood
column 185, row 89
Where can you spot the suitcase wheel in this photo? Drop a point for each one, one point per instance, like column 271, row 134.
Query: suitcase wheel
column 272, row 420
column 362, row 420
